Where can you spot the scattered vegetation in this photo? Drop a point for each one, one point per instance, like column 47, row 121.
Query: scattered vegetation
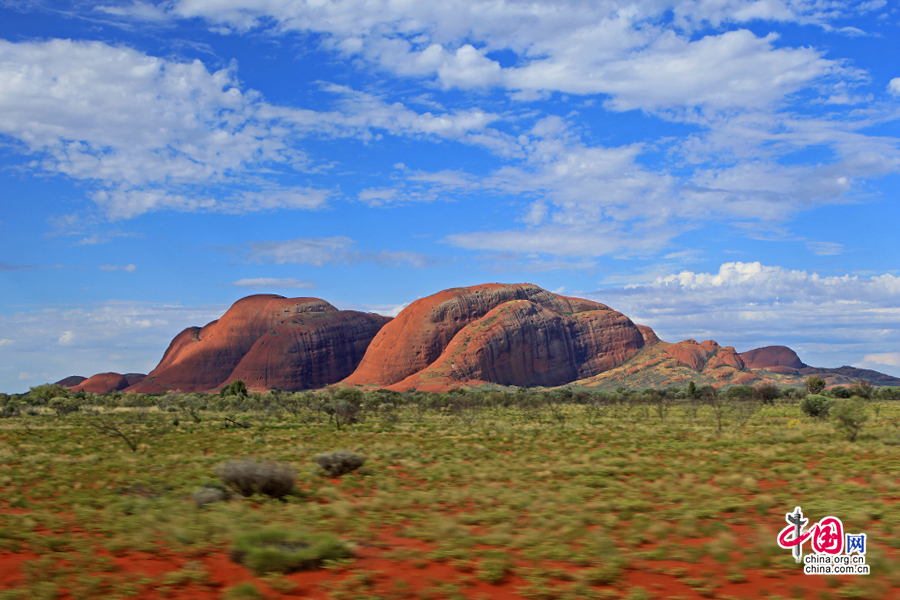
column 568, row 493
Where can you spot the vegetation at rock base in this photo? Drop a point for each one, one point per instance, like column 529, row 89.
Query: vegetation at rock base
column 568, row 493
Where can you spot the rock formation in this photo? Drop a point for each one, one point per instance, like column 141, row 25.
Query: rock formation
column 506, row 334
column 267, row 341
column 772, row 356
column 513, row 335
column 102, row 383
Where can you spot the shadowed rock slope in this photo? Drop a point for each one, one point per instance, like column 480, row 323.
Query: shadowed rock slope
column 495, row 333
column 268, row 341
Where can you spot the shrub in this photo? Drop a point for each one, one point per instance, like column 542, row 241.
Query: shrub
column 815, row 405
column 282, row 551
column 209, row 495
column 340, row 462
column 235, row 388
column 840, row 392
column 848, row 415
column 863, row 389
column 249, row 477
column 767, row 393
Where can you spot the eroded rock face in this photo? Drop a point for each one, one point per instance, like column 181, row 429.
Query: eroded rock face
column 261, row 338
column 772, row 356
column 508, row 334
column 309, row 351
column 689, row 353
column 71, row 380
column 102, row 383
column 705, row 356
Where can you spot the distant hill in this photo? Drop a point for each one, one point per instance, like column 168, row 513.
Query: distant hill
column 502, row 334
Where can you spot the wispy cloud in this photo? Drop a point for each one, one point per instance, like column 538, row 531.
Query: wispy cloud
column 324, row 251
column 126, row 268
column 273, row 283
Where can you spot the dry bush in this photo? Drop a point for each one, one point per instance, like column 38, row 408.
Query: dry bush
column 248, row 477
column 340, row 462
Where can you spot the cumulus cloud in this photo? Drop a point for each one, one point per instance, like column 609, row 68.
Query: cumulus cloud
column 624, row 49
column 324, row 251
column 273, row 282
column 894, row 86
column 891, row 359
column 156, row 134
column 829, row 320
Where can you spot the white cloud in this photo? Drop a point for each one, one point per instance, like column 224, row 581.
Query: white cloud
column 830, row 320
column 155, row 134
column 894, row 86
column 5, row 341
column 144, row 128
column 324, row 251
column 643, row 53
column 126, row 268
column 891, row 359
column 84, row 340
column 272, row 282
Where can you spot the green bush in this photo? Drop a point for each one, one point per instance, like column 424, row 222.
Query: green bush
column 249, row 477
column 815, row 405
column 282, row 551
column 848, row 416
column 340, row 462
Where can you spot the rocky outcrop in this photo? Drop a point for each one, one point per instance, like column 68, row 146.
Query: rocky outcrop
column 772, row 356
column 312, row 351
column 507, row 334
column 102, row 383
column 650, row 336
column 273, row 341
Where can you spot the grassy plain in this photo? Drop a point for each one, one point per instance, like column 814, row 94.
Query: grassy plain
column 569, row 502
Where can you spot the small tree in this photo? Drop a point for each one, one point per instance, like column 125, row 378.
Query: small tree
column 134, row 428
column 815, row 405
column 848, row 416
column 345, row 406
column 814, row 384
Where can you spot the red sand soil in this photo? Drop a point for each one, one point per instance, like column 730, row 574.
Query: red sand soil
column 398, row 564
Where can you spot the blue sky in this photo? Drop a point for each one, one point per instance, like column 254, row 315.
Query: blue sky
column 722, row 169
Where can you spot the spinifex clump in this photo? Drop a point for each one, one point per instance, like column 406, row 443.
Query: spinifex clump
column 281, row 551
